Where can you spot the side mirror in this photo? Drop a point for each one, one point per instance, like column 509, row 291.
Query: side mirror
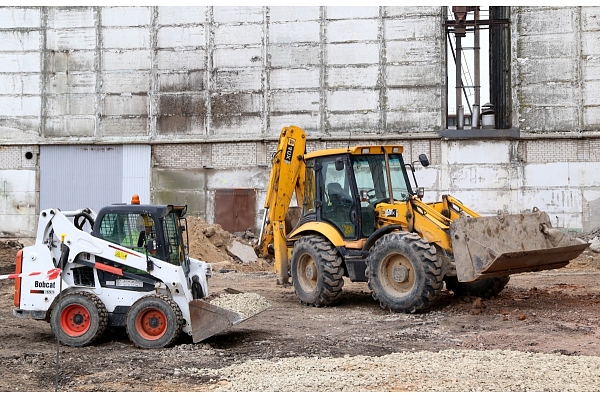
column 420, row 192
column 141, row 239
column 339, row 164
column 423, row 159
column 151, row 246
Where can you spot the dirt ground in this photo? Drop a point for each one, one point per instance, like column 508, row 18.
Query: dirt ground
column 547, row 312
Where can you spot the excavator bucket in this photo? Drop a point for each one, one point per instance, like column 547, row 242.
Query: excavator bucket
column 222, row 310
column 509, row 244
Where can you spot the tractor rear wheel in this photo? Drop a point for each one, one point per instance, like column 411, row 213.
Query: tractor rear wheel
column 154, row 321
column 79, row 319
column 486, row 288
column 403, row 272
column 317, row 272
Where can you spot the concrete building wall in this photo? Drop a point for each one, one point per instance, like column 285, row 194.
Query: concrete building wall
column 210, row 88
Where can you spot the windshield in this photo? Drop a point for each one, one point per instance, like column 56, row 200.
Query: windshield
column 371, row 179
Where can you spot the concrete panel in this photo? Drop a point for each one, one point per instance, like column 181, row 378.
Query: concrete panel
column 78, row 126
column 195, row 200
column 414, row 121
column 295, row 32
column 294, row 56
column 71, row 83
column 126, row 60
column 237, row 14
column 414, row 52
column 125, row 127
column 352, row 30
column 19, row 17
column 238, row 34
column 182, row 104
column 552, row 200
column 348, row 100
column 351, row 12
column 485, row 202
column 125, row 82
column 412, row 29
column 590, row 68
column 181, row 124
column 410, row 98
column 536, row 71
column 125, row 38
column 546, row 175
column 591, row 93
column 584, row 174
column 300, row 78
column 72, row 17
column 11, row 106
column 20, row 40
column 591, row 213
column 72, row 39
column 365, row 77
column 181, row 82
column 543, row 21
column 548, row 119
column 414, row 11
column 192, row 178
column 590, row 18
column 557, row 94
column 483, row 152
column 308, row 122
column 185, row 36
column 72, row 61
column 547, row 46
column 77, row 104
column 19, row 225
column 179, row 15
column 236, row 80
column 296, row 13
column 477, row 177
column 237, row 58
column 353, row 53
column 590, row 43
column 240, row 179
column 126, row 16
column 20, row 62
column 181, row 60
column 295, row 101
column 20, row 84
column 591, row 118
column 356, row 122
column 125, row 105
column 236, row 103
column 237, row 125
column 428, row 178
column 417, row 74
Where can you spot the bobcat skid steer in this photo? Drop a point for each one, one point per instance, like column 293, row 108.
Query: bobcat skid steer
column 125, row 266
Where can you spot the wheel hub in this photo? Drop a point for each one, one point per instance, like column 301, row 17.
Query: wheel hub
column 311, row 272
column 399, row 273
column 78, row 319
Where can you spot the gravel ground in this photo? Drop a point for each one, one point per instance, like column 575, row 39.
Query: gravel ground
column 445, row 371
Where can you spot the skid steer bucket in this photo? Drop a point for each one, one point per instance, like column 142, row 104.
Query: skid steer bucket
column 221, row 310
column 509, row 244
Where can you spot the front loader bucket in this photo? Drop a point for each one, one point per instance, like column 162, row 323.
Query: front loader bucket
column 219, row 311
column 510, row 244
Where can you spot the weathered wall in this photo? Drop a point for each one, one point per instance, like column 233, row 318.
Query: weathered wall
column 209, row 88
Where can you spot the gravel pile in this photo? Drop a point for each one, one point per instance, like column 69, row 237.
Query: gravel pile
column 445, row 371
column 245, row 304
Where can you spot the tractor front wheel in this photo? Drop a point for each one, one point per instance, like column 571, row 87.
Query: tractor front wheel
column 154, row 321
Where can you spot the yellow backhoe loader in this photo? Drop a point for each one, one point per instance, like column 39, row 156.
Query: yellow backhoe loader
column 361, row 218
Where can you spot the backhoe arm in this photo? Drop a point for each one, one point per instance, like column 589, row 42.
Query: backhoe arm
column 287, row 178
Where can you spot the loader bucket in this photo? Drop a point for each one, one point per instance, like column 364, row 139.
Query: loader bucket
column 509, row 244
column 222, row 310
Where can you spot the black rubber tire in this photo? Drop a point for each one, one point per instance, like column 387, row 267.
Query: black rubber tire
column 79, row 319
column 486, row 288
column 154, row 322
column 317, row 273
column 403, row 272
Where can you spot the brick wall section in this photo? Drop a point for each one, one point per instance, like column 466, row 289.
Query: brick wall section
column 232, row 155
column 561, row 150
column 178, row 156
column 13, row 157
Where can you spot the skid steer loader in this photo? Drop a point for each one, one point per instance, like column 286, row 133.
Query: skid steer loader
column 125, row 266
column 362, row 219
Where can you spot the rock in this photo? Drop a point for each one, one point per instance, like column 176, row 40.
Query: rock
column 242, row 252
column 595, row 244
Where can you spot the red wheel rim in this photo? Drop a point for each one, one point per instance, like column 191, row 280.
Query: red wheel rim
column 75, row 320
column 151, row 323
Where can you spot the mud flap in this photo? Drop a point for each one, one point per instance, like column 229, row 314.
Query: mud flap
column 509, row 244
column 207, row 319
